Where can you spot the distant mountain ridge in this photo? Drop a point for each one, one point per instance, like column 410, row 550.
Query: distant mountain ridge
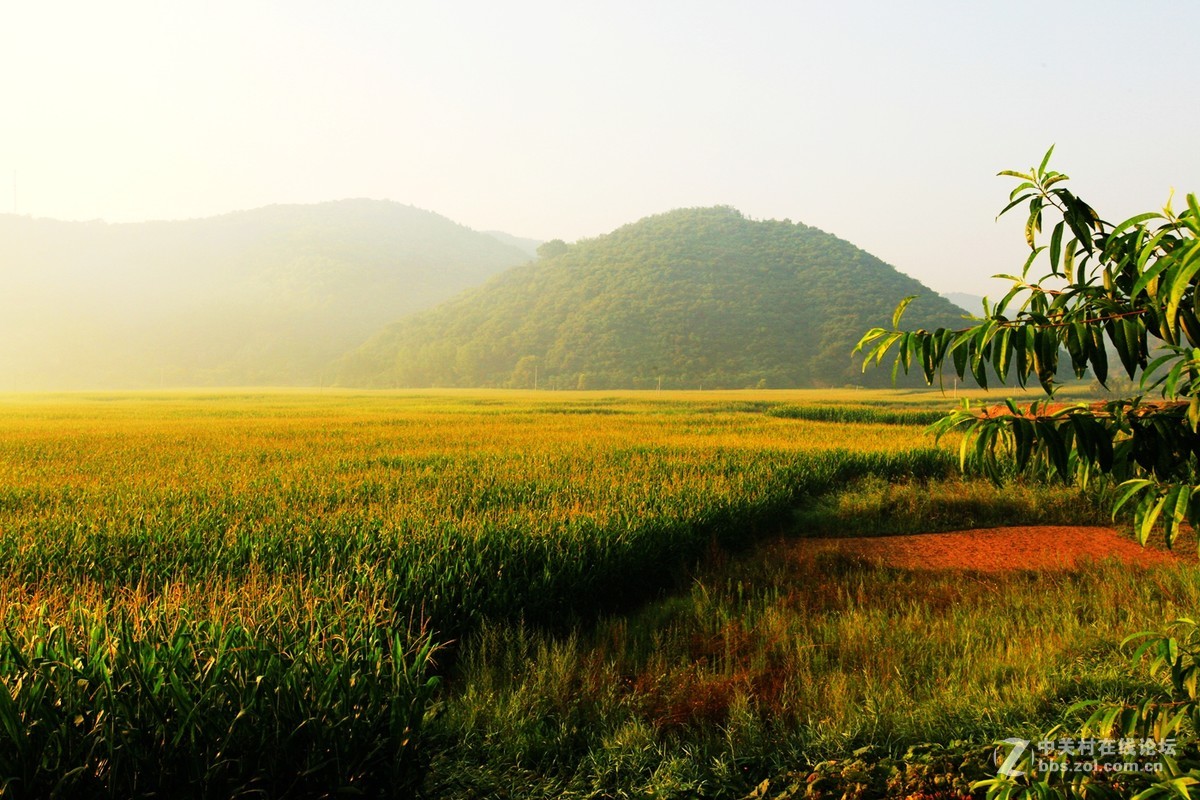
column 691, row 298
column 972, row 303
column 268, row 296
column 524, row 244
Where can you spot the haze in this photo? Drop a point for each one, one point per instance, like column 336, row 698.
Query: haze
column 881, row 123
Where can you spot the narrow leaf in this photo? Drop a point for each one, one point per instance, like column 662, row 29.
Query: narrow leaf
column 900, row 309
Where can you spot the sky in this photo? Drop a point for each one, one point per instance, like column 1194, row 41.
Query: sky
column 883, row 123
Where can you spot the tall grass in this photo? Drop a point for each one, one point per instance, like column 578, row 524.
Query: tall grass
column 876, row 506
column 773, row 663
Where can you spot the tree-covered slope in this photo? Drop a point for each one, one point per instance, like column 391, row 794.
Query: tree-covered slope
column 269, row 296
column 691, row 298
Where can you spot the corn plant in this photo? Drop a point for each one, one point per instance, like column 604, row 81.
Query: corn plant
column 203, row 710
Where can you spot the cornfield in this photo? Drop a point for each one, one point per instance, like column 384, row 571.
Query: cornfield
column 245, row 594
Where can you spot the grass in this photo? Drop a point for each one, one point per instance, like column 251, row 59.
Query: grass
column 851, row 413
column 202, row 578
column 772, row 664
column 875, row 506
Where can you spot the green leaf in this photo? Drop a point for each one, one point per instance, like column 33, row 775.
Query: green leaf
column 1098, row 353
column 1056, row 449
column 900, row 309
column 1041, row 170
column 959, row 350
column 1045, row 357
column 1146, row 250
column 1079, row 216
column 1148, row 276
column 927, row 365
column 1029, row 261
column 1069, row 259
column 1014, row 203
column 1023, row 345
column 1155, row 365
column 1179, row 285
column 1033, row 225
column 1086, row 439
column 1021, row 188
column 1125, row 344
column 886, row 345
column 1077, row 341
column 977, row 344
column 1131, row 487
column 1171, row 387
column 1002, row 354
column 1177, row 510
column 1056, row 246
column 1137, row 219
column 1149, row 513
column 867, row 338
column 1023, row 437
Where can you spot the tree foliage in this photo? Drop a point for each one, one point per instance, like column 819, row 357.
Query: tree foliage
column 1116, row 298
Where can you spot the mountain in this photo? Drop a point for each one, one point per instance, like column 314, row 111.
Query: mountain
column 527, row 246
column 692, row 298
column 968, row 302
column 269, row 296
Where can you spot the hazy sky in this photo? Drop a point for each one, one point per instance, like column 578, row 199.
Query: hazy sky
column 881, row 122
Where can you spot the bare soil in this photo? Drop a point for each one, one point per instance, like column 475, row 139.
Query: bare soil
column 1049, row 547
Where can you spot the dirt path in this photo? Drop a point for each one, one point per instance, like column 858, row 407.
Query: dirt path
column 1000, row 549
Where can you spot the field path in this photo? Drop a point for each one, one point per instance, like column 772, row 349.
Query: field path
column 1046, row 547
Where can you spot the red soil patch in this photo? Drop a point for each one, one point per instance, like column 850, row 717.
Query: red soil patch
column 1050, row 547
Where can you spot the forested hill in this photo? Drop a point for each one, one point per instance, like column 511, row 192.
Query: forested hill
column 700, row 297
column 269, row 296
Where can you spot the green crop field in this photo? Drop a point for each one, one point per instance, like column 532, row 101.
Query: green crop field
column 512, row 594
